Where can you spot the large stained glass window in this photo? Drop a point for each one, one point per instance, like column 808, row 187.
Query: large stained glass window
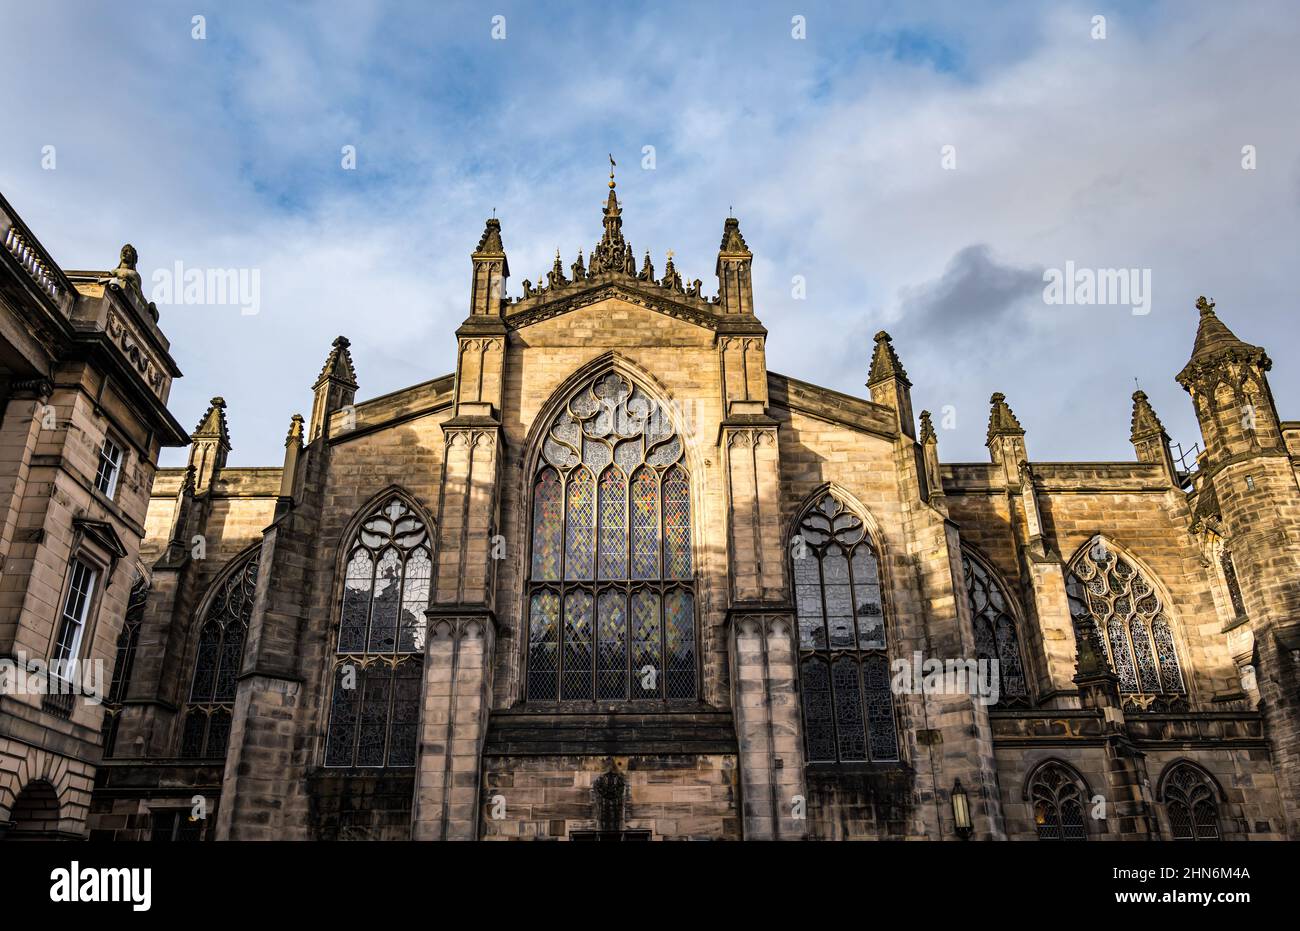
column 996, row 639
column 216, row 663
column 611, row 596
column 848, row 706
column 375, row 702
column 1107, row 591
column 1189, row 801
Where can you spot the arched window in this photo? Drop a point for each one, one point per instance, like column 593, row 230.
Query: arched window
column 611, row 596
column 848, row 706
column 216, row 662
column 996, row 639
column 1190, row 803
column 1108, row 591
column 1058, row 799
column 127, row 641
column 375, row 704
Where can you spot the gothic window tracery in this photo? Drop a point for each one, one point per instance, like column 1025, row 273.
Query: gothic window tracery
column 848, row 706
column 1058, row 804
column 1190, row 804
column 216, row 663
column 124, row 661
column 996, row 637
column 611, row 593
column 1108, row 591
column 375, row 698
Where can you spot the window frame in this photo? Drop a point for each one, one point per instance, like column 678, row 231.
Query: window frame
column 1014, row 611
column 70, row 663
column 829, row 655
column 596, row 586
column 114, row 477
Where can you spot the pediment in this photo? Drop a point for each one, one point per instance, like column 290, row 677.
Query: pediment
column 650, row 295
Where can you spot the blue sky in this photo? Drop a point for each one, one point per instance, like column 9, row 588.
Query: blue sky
column 1122, row 152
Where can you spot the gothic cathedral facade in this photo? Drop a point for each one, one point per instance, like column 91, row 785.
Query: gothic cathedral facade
column 615, row 579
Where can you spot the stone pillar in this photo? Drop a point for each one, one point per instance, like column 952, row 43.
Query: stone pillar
column 453, row 723
column 766, row 706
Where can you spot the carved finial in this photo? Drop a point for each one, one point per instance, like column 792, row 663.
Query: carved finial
column 885, row 363
column 338, row 364
column 213, row 423
column 490, row 242
column 732, row 240
column 1145, row 422
column 647, row 269
column 1204, row 306
column 295, row 430
column 1001, row 419
column 187, row 483
column 927, row 429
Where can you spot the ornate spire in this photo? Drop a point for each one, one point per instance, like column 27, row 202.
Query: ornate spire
column 884, row 362
column 213, row 423
column 647, row 269
column 1001, row 420
column 732, row 241
column 295, row 431
column 608, row 254
column 1215, row 342
column 338, row 364
column 1145, row 423
column 490, row 242
column 927, row 428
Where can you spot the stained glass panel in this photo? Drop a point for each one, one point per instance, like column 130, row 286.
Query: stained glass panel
column 611, row 457
column 996, row 638
column 818, row 709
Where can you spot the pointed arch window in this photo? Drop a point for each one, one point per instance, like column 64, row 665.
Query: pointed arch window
column 848, row 706
column 996, row 637
column 611, row 592
column 375, row 701
column 1057, row 799
column 1108, row 591
column 124, row 661
column 220, row 651
column 1190, row 804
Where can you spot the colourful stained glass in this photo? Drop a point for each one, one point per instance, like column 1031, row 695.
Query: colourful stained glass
column 677, row 525
column 613, row 524
column 548, row 525
column 580, row 526
column 679, row 644
column 645, row 525
column 612, row 654
column 576, row 665
column 605, row 541
column 647, row 665
column 544, row 645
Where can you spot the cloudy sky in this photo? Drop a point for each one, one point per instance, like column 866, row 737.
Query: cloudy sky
column 1122, row 152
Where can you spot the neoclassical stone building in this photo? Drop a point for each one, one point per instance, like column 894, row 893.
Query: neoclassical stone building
column 612, row 578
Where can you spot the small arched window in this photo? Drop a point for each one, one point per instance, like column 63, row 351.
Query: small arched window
column 1057, row 797
column 1190, row 804
column 1107, row 591
column 848, row 706
column 996, row 639
column 216, row 663
column 611, row 596
column 124, row 661
column 375, row 702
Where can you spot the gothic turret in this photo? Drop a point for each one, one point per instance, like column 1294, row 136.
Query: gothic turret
column 491, row 270
column 1148, row 436
column 735, row 289
column 1006, row 438
column 888, row 383
column 1229, row 389
column 209, row 445
column 335, row 388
